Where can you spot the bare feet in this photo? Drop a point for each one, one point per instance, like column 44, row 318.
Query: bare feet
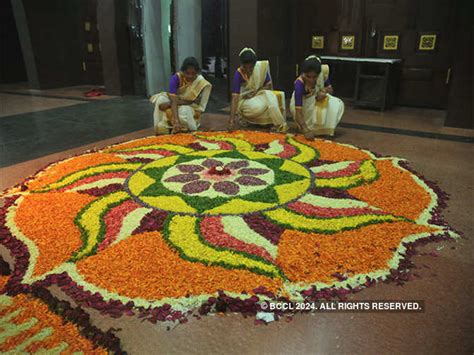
column 243, row 123
column 309, row 135
column 283, row 128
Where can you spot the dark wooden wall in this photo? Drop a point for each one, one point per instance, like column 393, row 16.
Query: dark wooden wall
column 243, row 29
column 12, row 66
column 60, row 51
column 460, row 99
column 265, row 26
column 89, row 43
column 50, row 30
column 274, row 41
column 115, row 44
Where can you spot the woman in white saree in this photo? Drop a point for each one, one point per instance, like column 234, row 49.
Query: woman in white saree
column 315, row 110
column 252, row 96
column 180, row 109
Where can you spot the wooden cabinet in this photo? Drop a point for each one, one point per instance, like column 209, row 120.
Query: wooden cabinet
column 368, row 82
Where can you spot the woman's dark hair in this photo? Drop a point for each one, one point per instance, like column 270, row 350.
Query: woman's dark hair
column 248, row 57
column 311, row 64
column 190, row 62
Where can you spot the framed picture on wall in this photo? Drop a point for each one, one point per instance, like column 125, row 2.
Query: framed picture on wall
column 427, row 41
column 347, row 41
column 317, row 41
column 389, row 42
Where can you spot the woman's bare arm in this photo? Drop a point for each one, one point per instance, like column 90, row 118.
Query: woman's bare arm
column 329, row 89
column 233, row 110
column 175, row 117
column 309, row 135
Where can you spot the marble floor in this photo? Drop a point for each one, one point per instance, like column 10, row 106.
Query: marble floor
column 71, row 92
column 29, row 141
column 14, row 104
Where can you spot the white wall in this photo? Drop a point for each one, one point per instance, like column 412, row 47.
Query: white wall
column 187, row 31
column 156, row 22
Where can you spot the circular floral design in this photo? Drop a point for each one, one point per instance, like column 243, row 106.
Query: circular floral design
column 168, row 224
column 221, row 182
column 218, row 177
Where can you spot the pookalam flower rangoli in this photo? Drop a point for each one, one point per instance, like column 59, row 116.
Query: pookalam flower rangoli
column 40, row 323
column 172, row 223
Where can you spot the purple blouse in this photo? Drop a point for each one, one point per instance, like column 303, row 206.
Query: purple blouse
column 174, row 84
column 300, row 91
column 239, row 79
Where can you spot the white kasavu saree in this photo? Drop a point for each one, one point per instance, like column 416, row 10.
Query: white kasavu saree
column 197, row 91
column 321, row 117
column 259, row 106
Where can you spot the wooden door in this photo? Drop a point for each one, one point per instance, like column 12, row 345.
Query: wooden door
column 89, row 42
column 424, row 72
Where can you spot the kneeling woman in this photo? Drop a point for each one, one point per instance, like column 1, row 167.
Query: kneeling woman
column 180, row 109
column 252, row 96
column 315, row 110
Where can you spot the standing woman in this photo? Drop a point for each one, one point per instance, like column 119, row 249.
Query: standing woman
column 252, row 96
column 180, row 109
column 315, row 110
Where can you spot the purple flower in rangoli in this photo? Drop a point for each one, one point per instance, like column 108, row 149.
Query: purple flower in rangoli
column 227, row 187
column 190, row 168
column 250, row 181
column 253, row 171
column 196, row 187
column 224, row 177
column 209, row 163
column 183, row 178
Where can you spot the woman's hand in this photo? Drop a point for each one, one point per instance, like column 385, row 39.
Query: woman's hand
column 177, row 128
column 329, row 89
column 321, row 95
column 301, row 124
column 231, row 126
column 165, row 106
column 233, row 111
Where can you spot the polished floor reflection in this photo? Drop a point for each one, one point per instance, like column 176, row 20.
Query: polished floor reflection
column 32, row 126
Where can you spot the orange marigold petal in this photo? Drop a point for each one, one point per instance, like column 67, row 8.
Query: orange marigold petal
column 48, row 220
column 382, row 193
column 311, row 258
column 61, row 332
column 56, row 172
column 333, row 151
column 162, row 272
column 179, row 139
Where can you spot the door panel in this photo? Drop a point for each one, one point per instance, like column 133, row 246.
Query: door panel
column 89, row 42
